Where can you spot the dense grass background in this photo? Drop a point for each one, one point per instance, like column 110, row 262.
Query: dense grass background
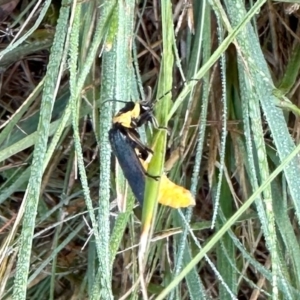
column 225, row 78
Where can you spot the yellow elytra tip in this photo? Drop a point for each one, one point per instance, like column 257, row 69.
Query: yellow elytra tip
column 171, row 194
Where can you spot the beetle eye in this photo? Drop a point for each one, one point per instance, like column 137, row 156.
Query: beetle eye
column 147, row 107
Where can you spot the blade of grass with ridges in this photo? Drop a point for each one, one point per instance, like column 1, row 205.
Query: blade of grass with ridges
column 33, row 190
column 101, row 284
column 157, row 162
column 75, row 104
column 200, row 42
column 116, row 59
column 123, row 32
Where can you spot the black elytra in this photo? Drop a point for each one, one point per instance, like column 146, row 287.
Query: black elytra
column 129, row 162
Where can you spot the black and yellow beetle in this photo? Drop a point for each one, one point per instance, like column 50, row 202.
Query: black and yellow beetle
column 133, row 155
